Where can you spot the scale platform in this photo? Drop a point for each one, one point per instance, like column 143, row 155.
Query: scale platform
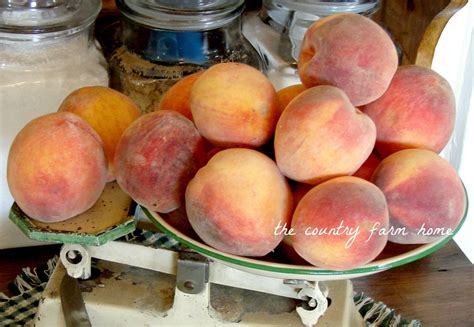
column 121, row 283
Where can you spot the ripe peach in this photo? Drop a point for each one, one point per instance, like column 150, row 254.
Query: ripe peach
column 237, row 200
column 351, row 52
column 425, row 195
column 286, row 246
column 286, row 94
column 56, row 167
column 320, row 135
column 156, row 157
column 417, row 111
column 108, row 111
column 337, row 224
column 234, row 105
column 368, row 167
column 299, row 191
column 178, row 97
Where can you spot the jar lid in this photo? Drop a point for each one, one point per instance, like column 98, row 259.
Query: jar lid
column 190, row 15
column 21, row 19
column 328, row 7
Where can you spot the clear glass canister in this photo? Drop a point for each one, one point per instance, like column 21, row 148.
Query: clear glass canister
column 164, row 40
column 277, row 31
column 47, row 50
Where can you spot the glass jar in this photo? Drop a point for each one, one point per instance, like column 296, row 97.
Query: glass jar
column 46, row 51
column 164, row 40
column 277, row 31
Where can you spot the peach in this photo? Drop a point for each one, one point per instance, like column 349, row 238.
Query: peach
column 339, row 224
column 299, row 191
column 320, row 135
column 286, row 251
column 236, row 202
column 425, row 196
column 368, row 167
column 417, row 111
column 156, row 157
column 56, row 167
column 178, row 97
column 286, row 94
column 351, row 52
column 108, row 111
column 286, row 246
column 234, row 105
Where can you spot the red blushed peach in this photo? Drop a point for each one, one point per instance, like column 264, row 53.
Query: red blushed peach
column 417, row 111
column 109, row 112
column 368, row 167
column 285, row 95
column 156, row 157
column 56, row 167
column 320, row 135
column 337, row 224
column 236, row 202
column 351, row 52
column 234, row 105
column 286, row 246
column 425, row 195
column 178, row 97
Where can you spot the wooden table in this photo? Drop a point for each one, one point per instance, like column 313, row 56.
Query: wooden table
column 438, row 289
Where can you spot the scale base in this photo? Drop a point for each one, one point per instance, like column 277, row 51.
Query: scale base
column 122, row 295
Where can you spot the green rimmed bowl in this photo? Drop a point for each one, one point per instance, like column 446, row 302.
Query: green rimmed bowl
column 394, row 255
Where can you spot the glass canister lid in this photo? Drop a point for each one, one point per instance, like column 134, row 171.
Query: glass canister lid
column 43, row 17
column 326, row 7
column 186, row 15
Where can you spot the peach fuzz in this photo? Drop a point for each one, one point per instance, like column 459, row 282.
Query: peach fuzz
column 178, row 97
column 351, row 52
column 368, row 167
column 237, row 200
column 234, row 105
column 337, row 224
column 320, row 135
column 417, row 111
column 108, row 111
column 56, row 167
column 423, row 192
column 156, row 158
column 286, row 94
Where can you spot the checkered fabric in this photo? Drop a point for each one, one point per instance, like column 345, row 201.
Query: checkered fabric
column 20, row 309
column 29, row 285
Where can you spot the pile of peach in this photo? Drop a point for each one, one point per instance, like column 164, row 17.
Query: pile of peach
column 340, row 164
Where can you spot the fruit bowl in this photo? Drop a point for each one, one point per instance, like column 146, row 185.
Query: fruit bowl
column 393, row 255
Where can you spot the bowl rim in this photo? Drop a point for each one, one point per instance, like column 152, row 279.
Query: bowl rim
column 291, row 269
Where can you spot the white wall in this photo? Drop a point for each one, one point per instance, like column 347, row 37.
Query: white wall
column 453, row 59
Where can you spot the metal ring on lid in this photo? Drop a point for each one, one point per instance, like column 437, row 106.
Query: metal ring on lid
column 193, row 15
column 27, row 20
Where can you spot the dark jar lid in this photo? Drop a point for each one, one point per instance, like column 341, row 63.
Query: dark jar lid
column 190, row 15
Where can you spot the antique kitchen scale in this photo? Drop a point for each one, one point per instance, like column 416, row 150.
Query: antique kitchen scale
column 103, row 280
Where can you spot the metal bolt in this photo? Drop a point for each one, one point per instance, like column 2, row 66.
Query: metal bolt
column 74, row 257
column 189, row 285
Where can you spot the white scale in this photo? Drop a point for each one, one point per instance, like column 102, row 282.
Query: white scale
column 200, row 286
